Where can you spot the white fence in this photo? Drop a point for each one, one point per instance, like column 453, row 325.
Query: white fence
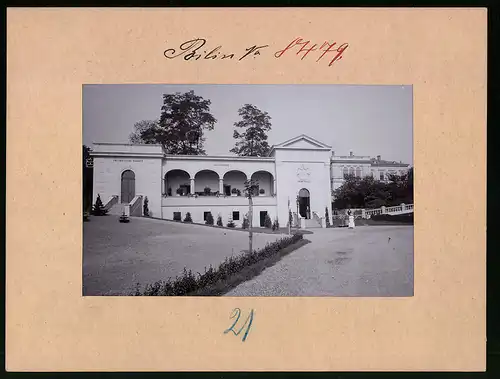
column 368, row 213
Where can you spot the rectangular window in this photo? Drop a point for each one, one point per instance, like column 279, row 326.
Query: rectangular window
column 177, row 216
column 205, row 215
column 381, row 176
column 236, row 215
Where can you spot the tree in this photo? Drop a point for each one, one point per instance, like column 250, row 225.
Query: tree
column 219, row 221
column 210, row 219
column 188, row 217
column 244, row 224
column 183, row 120
column 370, row 193
column 250, row 187
column 145, row 208
column 327, row 217
column 98, row 209
column 253, row 141
column 144, row 132
column 267, row 222
column 276, row 224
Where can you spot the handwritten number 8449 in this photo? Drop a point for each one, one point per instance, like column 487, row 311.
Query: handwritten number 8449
column 248, row 323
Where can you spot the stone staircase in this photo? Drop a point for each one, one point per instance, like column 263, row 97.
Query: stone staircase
column 312, row 223
column 116, row 209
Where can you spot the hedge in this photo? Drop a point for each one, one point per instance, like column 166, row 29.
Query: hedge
column 189, row 282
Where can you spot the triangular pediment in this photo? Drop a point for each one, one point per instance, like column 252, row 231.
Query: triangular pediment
column 303, row 142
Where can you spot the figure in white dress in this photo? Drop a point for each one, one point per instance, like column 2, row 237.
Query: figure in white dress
column 351, row 219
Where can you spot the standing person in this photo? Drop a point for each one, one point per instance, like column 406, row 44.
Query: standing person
column 351, row 219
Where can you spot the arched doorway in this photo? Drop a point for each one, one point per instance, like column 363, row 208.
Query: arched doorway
column 304, row 203
column 128, row 186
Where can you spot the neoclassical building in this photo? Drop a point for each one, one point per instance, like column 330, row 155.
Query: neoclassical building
column 299, row 174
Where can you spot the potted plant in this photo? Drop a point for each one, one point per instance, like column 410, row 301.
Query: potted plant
column 262, row 191
column 179, row 191
column 124, row 218
column 238, row 192
column 234, row 192
column 207, row 190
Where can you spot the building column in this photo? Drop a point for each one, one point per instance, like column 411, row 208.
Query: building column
column 165, row 185
column 221, row 186
column 192, row 186
column 274, row 187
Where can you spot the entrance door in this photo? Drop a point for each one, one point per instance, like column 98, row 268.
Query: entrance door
column 128, row 186
column 263, row 215
column 304, row 203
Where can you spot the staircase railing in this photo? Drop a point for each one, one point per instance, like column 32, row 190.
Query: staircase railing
column 112, row 201
column 136, row 206
column 317, row 218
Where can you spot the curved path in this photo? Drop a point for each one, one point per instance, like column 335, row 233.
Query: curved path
column 365, row 261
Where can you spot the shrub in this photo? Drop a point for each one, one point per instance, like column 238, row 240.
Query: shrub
column 219, row 221
column 210, row 219
column 145, row 208
column 177, row 216
column 179, row 191
column 267, row 222
column 276, row 224
column 207, row 191
column 234, row 190
column 188, row 283
column 327, row 217
column 245, row 224
column 262, row 191
column 188, row 217
column 231, row 224
column 98, row 208
column 290, row 218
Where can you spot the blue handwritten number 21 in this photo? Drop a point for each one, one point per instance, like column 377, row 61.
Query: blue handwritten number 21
column 248, row 323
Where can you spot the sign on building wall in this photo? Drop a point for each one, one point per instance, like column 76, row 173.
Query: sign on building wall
column 304, row 174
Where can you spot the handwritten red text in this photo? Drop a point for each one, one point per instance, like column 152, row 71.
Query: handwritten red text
column 332, row 49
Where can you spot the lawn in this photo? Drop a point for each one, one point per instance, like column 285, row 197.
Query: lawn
column 116, row 256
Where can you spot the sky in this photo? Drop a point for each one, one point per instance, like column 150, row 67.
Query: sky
column 367, row 120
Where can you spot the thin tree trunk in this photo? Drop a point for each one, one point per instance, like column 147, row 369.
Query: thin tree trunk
column 250, row 222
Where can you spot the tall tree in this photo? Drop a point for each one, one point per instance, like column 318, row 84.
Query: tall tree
column 145, row 132
column 180, row 129
column 253, row 141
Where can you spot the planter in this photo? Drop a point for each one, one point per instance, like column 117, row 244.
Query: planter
column 234, row 194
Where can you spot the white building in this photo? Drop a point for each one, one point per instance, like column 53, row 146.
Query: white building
column 299, row 174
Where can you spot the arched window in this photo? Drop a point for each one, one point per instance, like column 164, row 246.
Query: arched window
column 358, row 172
column 345, row 172
column 351, row 171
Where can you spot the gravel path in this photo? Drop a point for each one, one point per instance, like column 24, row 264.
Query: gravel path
column 365, row 261
column 117, row 255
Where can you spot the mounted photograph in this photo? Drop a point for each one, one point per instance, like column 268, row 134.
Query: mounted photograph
column 247, row 190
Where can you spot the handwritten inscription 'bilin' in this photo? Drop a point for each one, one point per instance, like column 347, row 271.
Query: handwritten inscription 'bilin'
column 196, row 49
column 192, row 50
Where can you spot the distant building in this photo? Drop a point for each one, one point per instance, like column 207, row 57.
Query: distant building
column 298, row 175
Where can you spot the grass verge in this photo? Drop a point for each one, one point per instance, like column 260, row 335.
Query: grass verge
column 254, row 229
column 230, row 273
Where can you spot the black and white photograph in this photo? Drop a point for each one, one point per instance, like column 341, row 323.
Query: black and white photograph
column 248, row 190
